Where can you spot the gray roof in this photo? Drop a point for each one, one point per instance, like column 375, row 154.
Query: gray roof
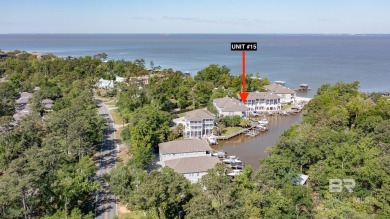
column 24, row 97
column 20, row 115
column 192, row 164
column 279, row 89
column 47, row 101
column 199, row 114
column 227, row 104
column 184, row 145
column 48, row 106
column 260, row 95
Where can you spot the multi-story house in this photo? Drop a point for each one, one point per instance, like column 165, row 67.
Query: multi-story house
column 198, row 123
column 190, row 157
column 184, row 148
column 262, row 102
column 230, row 107
column 286, row 94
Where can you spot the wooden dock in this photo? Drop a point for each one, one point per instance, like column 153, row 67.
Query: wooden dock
column 232, row 135
column 253, row 125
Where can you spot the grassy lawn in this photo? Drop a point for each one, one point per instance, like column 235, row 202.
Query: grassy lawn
column 231, row 130
column 118, row 133
column 104, row 99
column 115, row 116
column 286, row 106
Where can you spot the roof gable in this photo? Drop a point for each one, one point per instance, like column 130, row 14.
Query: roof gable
column 184, row 146
column 192, row 164
column 279, row 89
column 199, row 114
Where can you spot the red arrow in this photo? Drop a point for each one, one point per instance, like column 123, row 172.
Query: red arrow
column 243, row 93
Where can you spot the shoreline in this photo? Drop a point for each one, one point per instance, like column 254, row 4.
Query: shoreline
column 38, row 54
column 305, row 99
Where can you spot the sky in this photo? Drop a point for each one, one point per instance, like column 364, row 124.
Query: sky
column 200, row 16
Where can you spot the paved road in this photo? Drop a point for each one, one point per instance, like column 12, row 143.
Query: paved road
column 106, row 203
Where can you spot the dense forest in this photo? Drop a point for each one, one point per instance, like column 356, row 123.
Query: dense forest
column 47, row 164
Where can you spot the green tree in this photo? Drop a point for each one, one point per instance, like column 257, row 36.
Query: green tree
column 163, row 194
column 72, row 183
column 7, row 97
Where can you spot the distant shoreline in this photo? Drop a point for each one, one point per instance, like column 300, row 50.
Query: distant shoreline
column 264, row 34
column 38, row 54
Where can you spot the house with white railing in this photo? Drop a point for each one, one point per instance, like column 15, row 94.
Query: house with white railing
column 262, row 102
column 287, row 95
column 198, row 123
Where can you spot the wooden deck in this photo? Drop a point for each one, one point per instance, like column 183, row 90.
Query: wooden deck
column 231, row 135
column 223, row 137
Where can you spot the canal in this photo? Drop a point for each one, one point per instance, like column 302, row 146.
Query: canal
column 251, row 149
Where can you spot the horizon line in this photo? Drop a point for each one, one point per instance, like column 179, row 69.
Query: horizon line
column 208, row 33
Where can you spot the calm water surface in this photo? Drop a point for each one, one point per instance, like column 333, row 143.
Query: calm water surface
column 251, row 149
column 296, row 59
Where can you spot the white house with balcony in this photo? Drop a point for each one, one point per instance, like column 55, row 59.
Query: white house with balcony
column 198, row 123
column 262, row 102
column 286, row 94
column 190, row 157
column 230, row 107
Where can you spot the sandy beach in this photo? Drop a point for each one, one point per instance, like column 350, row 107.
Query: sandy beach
column 306, row 99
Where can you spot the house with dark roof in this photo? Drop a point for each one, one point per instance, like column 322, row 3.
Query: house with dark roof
column 198, row 123
column 262, row 102
column 230, row 107
column 190, row 157
column 286, row 94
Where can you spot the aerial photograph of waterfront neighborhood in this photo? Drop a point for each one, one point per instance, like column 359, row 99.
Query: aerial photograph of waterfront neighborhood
column 195, row 109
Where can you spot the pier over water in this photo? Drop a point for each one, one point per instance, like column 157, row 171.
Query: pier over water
column 251, row 149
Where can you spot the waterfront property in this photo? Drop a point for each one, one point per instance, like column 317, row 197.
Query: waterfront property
column 198, row 123
column 190, row 157
column 262, row 102
column 229, row 107
column 286, row 94
column 193, row 168
column 183, row 148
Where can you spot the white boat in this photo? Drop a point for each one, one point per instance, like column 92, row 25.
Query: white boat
column 231, row 161
column 280, row 82
column 234, row 173
column 219, row 154
column 252, row 133
column 238, row 166
column 263, row 121
column 262, row 128
column 212, row 139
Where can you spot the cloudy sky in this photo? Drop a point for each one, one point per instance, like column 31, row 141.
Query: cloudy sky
column 198, row 16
